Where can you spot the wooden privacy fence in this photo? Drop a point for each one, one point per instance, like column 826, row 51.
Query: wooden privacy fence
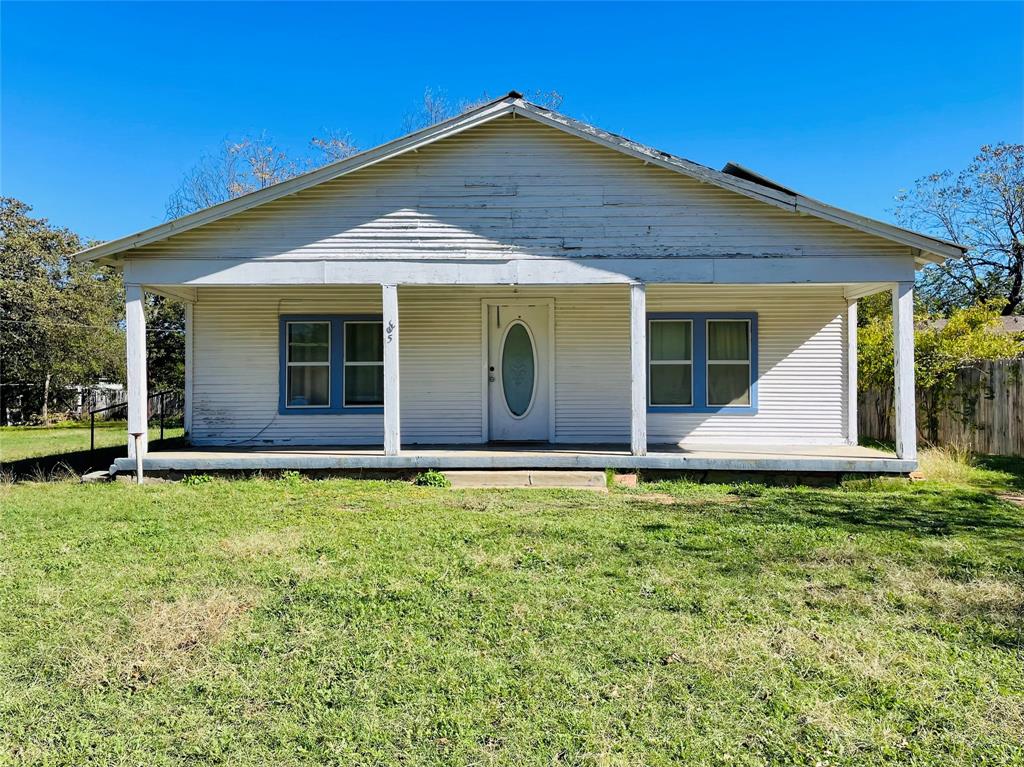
column 985, row 413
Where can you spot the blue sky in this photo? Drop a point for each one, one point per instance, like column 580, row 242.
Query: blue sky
column 105, row 106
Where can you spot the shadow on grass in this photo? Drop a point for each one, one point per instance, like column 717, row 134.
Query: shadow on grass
column 925, row 512
column 78, row 462
column 1012, row 467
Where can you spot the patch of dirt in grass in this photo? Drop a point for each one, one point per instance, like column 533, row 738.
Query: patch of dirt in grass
column 662, row 498
column 262, row 543
column 163, row 638
column 695, row 502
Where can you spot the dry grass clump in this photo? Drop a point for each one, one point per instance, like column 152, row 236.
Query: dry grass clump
column 995, row 600
column 164, row 638
column 950, row 463
column 262, row 543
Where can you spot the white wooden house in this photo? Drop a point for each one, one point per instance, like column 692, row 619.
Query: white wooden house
column 512, row 287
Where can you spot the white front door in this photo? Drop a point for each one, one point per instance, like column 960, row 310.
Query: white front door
column 518, row 371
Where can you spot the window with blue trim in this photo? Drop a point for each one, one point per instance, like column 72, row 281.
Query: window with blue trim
column 331, row 364
column 702, row 362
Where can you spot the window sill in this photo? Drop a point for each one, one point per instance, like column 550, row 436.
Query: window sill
column 704, row 409
column 368, row 410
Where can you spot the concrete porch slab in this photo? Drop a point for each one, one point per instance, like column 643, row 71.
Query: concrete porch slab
column 844, row 459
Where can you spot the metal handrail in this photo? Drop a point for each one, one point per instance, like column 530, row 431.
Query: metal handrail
column 93, row 411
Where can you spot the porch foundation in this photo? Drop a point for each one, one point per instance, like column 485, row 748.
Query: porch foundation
column 845, row 459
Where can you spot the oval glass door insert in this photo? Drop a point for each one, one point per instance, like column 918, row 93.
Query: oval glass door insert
column 518, row 368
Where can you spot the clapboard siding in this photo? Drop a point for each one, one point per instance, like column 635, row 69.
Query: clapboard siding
column 235, row 385
column 515, row 189
column 592, row 365
column 801, row 361
column 439, row 349
column 235, row 353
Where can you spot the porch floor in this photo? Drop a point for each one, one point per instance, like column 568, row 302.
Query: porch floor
column 842, row 459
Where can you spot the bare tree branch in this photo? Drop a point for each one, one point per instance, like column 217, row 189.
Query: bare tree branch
column 982, row 207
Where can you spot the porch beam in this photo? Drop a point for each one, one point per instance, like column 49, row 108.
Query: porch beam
column 392, row 401
column 135, row 327
column 638, row 368
column 903, row 357
column 556, row 269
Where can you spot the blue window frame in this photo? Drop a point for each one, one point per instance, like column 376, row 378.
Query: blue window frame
column 318, row 353
column 702, row 362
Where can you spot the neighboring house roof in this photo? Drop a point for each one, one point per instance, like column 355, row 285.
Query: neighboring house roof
column 732, row 177
column 1012, row 325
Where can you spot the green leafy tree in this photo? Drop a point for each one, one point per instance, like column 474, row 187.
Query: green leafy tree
column 165, row 344
column 940, row 352
column 59, row 320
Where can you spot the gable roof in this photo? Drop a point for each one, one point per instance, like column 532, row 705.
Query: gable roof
column 733, row 177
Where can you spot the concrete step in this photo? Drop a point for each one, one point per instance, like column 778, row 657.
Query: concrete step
column 576, row 480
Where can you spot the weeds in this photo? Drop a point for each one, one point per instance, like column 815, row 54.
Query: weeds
column 432, row 478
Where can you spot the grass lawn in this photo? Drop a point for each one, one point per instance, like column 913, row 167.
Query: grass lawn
column 20, row 442
column 289, row 621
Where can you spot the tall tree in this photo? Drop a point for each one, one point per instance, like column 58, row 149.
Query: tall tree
column 248, row 164
column 982, row 206
column 59, row 320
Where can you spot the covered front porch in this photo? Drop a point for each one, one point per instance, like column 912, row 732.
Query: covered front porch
column 594, row 403
column 845, row 459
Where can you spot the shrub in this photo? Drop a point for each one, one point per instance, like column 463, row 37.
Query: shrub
column 970, row 335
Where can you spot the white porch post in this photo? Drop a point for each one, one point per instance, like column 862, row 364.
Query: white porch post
column 392, row 416
column 135, row 325
column 851, row 372
column 903, row 353
column 638, row 368
column 189, row 365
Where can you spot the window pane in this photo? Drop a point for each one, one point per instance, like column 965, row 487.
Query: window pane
column 364, row 384
column 728, row 384
column 309, row 341
column 727, row 340
column 518, row 369
column 671, row 384
column 309, row 385
column 364, row 342
column 671, row 340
